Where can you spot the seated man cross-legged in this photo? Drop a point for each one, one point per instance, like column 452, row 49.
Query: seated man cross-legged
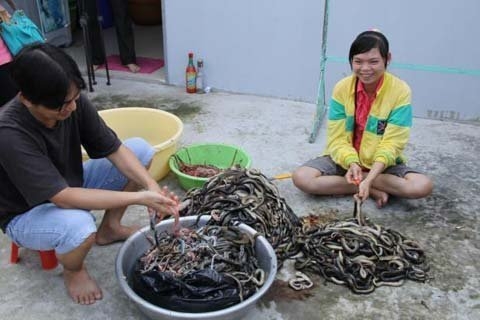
column 369, row 124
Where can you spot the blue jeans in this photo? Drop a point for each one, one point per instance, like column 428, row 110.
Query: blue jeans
column 47, row 226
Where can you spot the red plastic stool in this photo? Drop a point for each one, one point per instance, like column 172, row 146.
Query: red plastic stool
column 48, row 258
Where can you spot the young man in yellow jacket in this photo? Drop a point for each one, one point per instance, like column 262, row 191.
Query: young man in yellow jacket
column 369, row 125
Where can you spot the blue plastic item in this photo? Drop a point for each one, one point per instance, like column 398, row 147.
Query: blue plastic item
column 106, row 12
column 20, row 32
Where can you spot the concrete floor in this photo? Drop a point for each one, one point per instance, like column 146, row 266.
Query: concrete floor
column 275, row 133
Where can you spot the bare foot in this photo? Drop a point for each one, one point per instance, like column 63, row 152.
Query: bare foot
column 380, row 197
column 81, row 287
column 133, row 67
column 107, row 235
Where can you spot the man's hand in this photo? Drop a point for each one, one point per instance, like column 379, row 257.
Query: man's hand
column 165, row 203
column 161, row 201
column 366, row 183
column 354, row 174
column 363, row 191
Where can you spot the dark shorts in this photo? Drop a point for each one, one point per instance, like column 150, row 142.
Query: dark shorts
column 327, row 167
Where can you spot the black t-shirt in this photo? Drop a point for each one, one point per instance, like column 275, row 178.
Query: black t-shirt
column 37, row 162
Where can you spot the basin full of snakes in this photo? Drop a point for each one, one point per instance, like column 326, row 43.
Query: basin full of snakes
column 200, row 268
column 354, row 252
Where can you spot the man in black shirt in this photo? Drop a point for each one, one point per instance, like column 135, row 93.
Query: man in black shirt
column 46, row 192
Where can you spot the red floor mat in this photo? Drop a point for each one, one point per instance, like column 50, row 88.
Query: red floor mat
column 147, row 65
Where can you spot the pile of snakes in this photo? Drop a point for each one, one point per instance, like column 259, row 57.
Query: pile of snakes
column 242, row 195
column 359, row 254
column 354, row 252
column 211, row 266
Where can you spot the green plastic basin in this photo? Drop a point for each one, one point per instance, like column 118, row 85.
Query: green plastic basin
column 220, row 155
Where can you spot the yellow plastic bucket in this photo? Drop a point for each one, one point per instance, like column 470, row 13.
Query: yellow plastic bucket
column 160, row 128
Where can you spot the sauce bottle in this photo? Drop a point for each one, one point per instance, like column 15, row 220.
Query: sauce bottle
column 191, row 75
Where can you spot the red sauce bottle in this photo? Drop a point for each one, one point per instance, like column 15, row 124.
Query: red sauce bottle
column 191, row 75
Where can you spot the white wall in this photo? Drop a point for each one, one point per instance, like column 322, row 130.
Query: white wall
column 273, row 47
column 265, row 47
column 443, row 34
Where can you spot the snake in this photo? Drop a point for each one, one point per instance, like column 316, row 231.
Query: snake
column 228, row 251
column 360, row 254
column 247, row 196
column 354, row 252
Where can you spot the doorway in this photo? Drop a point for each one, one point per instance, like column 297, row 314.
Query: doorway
column 148, row 43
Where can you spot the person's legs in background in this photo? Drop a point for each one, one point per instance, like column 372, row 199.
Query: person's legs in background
column 125, row 37
column 96, row 45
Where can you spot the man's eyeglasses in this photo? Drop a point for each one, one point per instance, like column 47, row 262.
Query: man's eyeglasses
column 66, row 103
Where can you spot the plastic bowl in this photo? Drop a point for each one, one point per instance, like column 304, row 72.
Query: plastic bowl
column 137, row 244
column 222, row 156
column 160, row 128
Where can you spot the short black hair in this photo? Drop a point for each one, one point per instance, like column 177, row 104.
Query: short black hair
column 44, row 74
column 368, row 40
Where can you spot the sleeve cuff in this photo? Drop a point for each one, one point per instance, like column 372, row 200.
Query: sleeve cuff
column 383, row 160
column 349, row 160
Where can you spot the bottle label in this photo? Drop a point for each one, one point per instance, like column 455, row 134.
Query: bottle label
column 191, row 80
column 199, row 83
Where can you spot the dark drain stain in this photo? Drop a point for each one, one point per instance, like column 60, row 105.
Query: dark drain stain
column 183, row 110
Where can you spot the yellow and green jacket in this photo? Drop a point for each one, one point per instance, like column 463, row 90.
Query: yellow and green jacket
column 387, row 129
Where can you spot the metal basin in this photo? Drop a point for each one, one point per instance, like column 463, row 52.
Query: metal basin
column 137, row 244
